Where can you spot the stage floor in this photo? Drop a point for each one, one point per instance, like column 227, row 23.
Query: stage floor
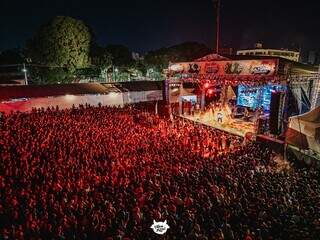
column 234, row 126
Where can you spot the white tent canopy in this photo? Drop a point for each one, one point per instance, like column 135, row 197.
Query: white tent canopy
column 304, row 130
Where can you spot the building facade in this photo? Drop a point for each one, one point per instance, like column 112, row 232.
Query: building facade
column 314, row 57
column 260, row 51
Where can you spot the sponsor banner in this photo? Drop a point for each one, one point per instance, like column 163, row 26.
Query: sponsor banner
column 239, row 68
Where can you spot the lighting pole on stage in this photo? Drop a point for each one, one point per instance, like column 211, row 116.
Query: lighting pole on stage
column 218, row 6
column 203, row 96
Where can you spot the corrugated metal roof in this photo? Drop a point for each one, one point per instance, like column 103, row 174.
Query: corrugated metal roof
column 33, row 91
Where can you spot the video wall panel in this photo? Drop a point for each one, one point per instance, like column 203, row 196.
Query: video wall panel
column 256, row 97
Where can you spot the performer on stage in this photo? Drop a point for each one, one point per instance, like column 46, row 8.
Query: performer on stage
column 219, row 116
column 246, row 114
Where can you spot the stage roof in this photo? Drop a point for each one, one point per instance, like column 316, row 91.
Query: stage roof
column 212, row 57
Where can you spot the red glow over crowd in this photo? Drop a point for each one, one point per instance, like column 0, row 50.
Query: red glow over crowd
column 107, row 173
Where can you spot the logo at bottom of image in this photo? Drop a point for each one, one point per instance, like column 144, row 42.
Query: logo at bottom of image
column 160, row 227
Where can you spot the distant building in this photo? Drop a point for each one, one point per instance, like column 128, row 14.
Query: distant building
column 314, row 57
column 260, row 51
column 228, row 51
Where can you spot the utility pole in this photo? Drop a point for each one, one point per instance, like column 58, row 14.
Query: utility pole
column 25, row 74
column 218, row 26
column 113, row 73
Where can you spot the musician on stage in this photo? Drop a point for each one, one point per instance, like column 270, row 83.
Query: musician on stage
column 219, row 116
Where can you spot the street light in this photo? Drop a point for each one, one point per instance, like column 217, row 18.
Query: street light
column 116, row 71
column 24, row 70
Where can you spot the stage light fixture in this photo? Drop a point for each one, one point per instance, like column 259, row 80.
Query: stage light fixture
column 206, row 85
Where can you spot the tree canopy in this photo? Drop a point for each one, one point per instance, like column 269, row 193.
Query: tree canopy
column 100, row 57
column 65, row 49
column 187, row 51
column 121, row 55
column 63, row 42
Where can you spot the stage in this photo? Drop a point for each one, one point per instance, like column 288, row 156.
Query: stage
column 234, row 126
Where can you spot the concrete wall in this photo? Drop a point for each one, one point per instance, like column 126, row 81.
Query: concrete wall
column 143, row 96
column 111, row 99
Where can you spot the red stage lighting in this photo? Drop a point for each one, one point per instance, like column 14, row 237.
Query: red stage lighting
column 206, row 85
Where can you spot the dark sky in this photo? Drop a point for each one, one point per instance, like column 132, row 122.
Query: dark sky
column 144, row 25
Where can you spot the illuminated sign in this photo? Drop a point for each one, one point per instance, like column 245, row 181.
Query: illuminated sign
column 227, row 68
column 177, row 67
column 211, row 68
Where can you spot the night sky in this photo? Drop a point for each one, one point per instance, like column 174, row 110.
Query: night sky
column 144, row 25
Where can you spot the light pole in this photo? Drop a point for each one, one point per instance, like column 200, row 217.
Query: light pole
column 24, row 70
column 218, row 25
column 116, row 72
column 203, row 96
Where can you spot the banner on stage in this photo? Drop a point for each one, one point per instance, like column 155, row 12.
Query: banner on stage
column 266, row 67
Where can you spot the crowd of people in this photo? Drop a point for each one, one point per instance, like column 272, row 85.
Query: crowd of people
column 108, row 173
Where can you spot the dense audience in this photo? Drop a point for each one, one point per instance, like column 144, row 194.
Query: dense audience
column 107, row 173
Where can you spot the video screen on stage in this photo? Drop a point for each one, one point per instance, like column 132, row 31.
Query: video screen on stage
column 256, row 97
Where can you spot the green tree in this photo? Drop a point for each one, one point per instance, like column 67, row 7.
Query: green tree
column 187, row 51
column 140, row 67
column 56, row 75
column 121, row 55
column 101, row 59
column 63, row 42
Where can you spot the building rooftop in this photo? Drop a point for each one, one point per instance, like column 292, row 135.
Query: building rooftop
column 273, row 49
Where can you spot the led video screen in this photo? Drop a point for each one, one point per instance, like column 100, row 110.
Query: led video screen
column 255, row 97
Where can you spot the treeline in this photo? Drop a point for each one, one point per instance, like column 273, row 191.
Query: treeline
column 65, row 50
